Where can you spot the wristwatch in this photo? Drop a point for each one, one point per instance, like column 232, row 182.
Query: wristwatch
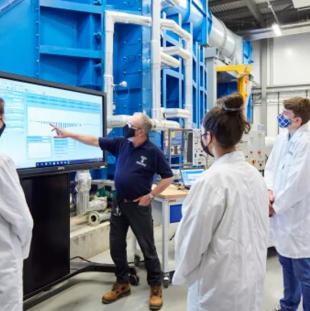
column 151, row 196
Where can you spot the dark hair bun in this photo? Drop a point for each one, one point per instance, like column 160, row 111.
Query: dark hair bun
column 231, row 103
column 227, row 121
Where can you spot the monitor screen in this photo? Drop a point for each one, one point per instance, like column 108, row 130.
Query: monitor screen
column 190, row 176
column 31, row 106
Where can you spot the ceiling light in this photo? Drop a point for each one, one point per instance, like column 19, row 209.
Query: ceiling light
column 277, row 30
column 301, row 4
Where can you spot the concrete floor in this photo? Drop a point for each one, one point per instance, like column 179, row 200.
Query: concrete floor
column 83, row 292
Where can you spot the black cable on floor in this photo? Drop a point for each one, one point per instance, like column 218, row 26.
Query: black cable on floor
column 81, row 258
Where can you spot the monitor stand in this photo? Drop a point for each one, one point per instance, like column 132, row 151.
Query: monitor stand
column 49, row 261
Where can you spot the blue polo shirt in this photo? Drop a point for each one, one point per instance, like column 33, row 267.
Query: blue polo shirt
column 135, row 166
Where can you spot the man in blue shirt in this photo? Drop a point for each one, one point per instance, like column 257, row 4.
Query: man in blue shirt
column 137, row 161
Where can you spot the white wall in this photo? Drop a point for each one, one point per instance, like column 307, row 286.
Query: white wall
column 288, row 63
column 288, row 60
column 256, row 64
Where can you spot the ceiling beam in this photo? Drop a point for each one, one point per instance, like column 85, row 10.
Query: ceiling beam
column 255, row 11
column 267, row 33
column 221, row 2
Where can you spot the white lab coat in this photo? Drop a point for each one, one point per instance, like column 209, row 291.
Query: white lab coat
column 287, row 174
column 221, row 241
column 15, row 236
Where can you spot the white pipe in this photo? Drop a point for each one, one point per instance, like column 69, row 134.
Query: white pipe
column 164, row 124
column 188, row 62
column 173, row 26
column 169, row 61
column 176, row 50
column 118, row 120
column 111, row 18
column 176, row 113
column 108, row 75
column 125, row 18
column 189, row 83
column 170, row 3
column 122, row 120
column 157, row 58
column 229, row 44
column 96, row 218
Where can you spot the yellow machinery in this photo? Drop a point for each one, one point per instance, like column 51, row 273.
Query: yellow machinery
column 242, row 73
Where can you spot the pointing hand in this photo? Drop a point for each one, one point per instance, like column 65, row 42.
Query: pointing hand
column 60, row 133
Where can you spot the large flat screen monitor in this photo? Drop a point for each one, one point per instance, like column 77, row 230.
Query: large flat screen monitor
column 31, row 106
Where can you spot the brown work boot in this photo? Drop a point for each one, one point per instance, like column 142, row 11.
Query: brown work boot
column 118, row 291
column 156, row 298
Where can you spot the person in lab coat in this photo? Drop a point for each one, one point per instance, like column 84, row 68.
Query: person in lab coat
column 221, row 241
column 15, row 231
column 287, row 175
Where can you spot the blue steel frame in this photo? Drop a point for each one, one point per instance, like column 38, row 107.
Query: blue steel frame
column 63, row 41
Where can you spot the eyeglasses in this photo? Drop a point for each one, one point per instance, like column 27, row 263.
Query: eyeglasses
column 204, row 134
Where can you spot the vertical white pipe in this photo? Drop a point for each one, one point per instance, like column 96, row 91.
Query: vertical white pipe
column 108, row 76
column 189, row 84
column 156, row 60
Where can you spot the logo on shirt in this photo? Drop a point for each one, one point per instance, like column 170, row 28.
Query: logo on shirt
column 142, row 161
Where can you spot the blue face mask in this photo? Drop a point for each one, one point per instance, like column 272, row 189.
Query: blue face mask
column 283, row 121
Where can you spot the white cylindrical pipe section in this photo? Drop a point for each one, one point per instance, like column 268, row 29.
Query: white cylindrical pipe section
column 189, row 83
column 96, row 218
column 169, row 61
column 161, row 125
column 176, row 50
column 189, row 13
column 118, row 120
column 156, row 60
column 176, row 113
column 229, row 44
column 173, row 26
column 108, row 76
column 169, row 3
column 125, row 18
column 122, row 120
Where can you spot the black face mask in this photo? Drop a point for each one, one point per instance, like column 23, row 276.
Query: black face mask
column 2, row 129
column 206, row 148
column 128, row 131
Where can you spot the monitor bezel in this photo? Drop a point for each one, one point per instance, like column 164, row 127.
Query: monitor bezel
column 51, row 170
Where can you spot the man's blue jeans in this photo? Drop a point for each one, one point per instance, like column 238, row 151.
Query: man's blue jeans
column 296, row 279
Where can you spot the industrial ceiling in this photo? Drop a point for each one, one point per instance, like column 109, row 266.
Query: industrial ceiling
column 248, row 16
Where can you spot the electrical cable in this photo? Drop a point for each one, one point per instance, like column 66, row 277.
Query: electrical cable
column 80, row 257
column 86, row 260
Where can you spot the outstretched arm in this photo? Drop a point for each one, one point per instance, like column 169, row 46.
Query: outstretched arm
column 85, row 139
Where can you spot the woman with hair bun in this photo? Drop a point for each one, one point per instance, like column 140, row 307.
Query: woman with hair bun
column 221, row 241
